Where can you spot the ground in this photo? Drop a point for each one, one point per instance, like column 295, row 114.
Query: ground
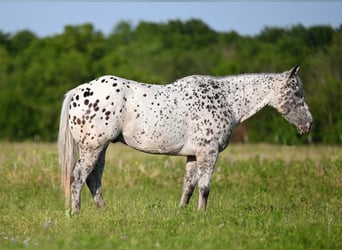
column 262, row 196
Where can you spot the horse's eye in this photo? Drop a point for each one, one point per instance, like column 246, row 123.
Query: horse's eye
column 298, row 94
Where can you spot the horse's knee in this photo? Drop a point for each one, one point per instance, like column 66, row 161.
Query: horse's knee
column 204, row 180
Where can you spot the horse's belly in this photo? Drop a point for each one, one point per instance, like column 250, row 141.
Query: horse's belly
column 156, row 145
column 161, row 141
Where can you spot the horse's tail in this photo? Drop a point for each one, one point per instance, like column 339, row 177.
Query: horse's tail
column 67, row 148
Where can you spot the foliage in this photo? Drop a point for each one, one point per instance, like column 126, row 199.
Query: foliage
column 277, row 197
column 35, row 72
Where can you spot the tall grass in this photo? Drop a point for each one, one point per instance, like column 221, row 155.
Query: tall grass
column 262, row 196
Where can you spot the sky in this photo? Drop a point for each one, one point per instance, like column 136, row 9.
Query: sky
column 246, row 18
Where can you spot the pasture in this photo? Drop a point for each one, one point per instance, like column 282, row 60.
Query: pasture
column 262, row 196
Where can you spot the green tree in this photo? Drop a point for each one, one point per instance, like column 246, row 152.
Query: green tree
column 36, row 72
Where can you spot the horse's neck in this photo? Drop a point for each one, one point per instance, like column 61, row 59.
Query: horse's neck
column 250, row 93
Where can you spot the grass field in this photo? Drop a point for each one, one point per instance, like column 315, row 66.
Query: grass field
column 262, row 196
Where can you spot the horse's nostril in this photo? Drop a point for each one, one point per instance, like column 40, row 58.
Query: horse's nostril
column 310, row 124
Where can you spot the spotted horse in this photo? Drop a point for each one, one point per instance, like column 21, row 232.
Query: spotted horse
column 193, row 117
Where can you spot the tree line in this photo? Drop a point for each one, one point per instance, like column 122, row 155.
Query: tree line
column 35, row 72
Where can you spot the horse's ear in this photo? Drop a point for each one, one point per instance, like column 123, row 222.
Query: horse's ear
column 294, row 71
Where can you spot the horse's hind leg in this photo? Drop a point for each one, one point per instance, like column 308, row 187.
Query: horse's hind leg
column 84, row 166
column 190, row 179
column 94, row 180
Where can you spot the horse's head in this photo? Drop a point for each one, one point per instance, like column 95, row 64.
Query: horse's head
column 291, row 104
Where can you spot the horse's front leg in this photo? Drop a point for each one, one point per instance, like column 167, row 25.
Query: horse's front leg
column 190, row 179
column 94, row 180
column 206, row 159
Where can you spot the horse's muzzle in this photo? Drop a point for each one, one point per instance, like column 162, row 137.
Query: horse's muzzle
column 305, row 128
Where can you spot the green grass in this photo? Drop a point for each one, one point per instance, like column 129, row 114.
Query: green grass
column 262, row 196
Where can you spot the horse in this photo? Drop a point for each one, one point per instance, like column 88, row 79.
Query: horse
column 193, row 117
